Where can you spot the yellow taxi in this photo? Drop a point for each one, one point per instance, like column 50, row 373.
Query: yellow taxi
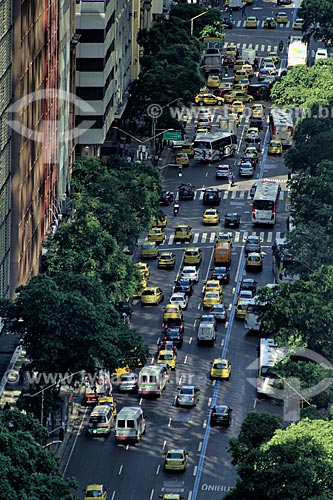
column 211, row 298
column 172, row 311
column 108, row 401
column 251, row 22
column 226, row 86
column 151, row 295
column 182, row 159
column 156, row 234
column 149, row 250
column 160, row 221
column 202, row 131
column 183, row 232
column 231, row 50
column 95, row 491
column 223, row 238
column 281, row 18
column 275, row 147
column 258, row 110
column 168, row 357
column 298, row 24
column 175, row 460
column 211, row 216
column 248, row 68
column 251, row 151
column 213, row 81
column 166, row 260
column 242, row 87
column 270, row 23
column 253, row 261
column 213, row 286
column 207, row 98
column 221, row 369
column 237, row 107
column 241, row 309
column 188, row 148
column 274, row 56
column 192, row 257
column 143, row 269
column 121, row 370
column 172, row 496
column 251, row 133
column 236, row 95
column 239, row 75
column 239, row 63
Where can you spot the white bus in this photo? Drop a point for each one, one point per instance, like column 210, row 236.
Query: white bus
column 269, row 355
column 214, row 147
column 280, row 260
column 264, row 204
column 152, row 380
column 252, row 322
column 281, row 126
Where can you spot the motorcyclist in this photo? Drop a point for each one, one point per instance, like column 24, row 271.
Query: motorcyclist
column 281, row 45
column 176, row 208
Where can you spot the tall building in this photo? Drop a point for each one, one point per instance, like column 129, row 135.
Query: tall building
column 40, row 160
column 5, row 143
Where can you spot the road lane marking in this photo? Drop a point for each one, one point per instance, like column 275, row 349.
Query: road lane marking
column 200, row 446
column 113, row 494
column 151, row 495
column 195, row 470
column 185, row 360
column 209, row 402
column 203, row 237
column 195, row 238
column 189, row 495
column 190, row 340
column 255, row 403
column 204, row 425
column 140, row 401
column 75, row 440
column 169, row 423
column 158, row 470
column 164, row 445
column 120, row 470
column 127, row 447
column 222, row 343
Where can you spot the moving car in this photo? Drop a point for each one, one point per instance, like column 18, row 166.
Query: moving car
column 143, row 269
column 212, row 285
column 252, row 135
column 231, row 50
column 239, row 75
column 192, row 257
column 245, row 169
column 183, row 232
column 156, row 234
column 298, row 24
column 253, row 261
column 211, row 196
column 149, row 250
column 221, row 369
column 211, row 216
column 270, row 23
column 207, row 98
column 252, row 150
column 237, row 107
column 223, row 237
column 219, row 312
column 211, row 298
column 249, row 284
column 232, row 220
column 256, row 122
column 220, row 415
column 252, row 243
column 168, row 358
column 241, row 309
column 237, row 95
column 186, row 191
column 128, row 382
column 187, row 148
column 184, row 285
column 188, row 395
column 95, row 491
column 222, row 172
column 191, row 273
column 213, row 81
column 166, row 198
column 176, row 460
column 275, row 147
column 151, row 295
column 222, row 274
column 249, row 69
column 174, row 333
column 274, row 56
column 166, row 260
column 160, row 221
column 182, row 159
column 251, row 22
column 281, row 17
column 180, row 299
column 172, row 311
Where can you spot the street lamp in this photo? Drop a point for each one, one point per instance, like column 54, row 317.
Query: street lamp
column 52, row 442
column 195, row 17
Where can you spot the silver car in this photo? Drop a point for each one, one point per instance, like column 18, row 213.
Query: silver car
column 245, row 170
column 188, row 395
column 219, row 312
column 253, row 244
column 128, row 382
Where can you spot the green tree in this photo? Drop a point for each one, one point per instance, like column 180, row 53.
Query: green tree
column 187, row 12
column 213, row 30
column 296, row 463
column 28, row 470
column 317, row 15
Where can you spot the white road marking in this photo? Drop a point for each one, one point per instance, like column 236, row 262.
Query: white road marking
column 120, row 469
column 195, row 238
column 203, row 237
column 169, row 423
column 189, row 495
column 164, row 445
column 195, row 470
column 199, row 446
column 212, row 237
column 236, row 237
column 113, row 494
column 269, row 237
column 151, row 495
column 209, row 401
column 222, row 343
column 204, row 425
column 158, row 470
column 225, row 195
column 190, row 340
column 127, row 447
column 185, row 360
column 140, row 402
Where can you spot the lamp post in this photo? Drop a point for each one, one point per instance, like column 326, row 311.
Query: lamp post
column 195, row 17
column 52, row 442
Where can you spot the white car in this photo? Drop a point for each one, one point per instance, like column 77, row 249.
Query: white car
column 245, row 295
column 180, row 299
column 190, row 272
column 271, row 68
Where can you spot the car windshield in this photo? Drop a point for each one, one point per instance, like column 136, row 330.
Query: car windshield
column 165, row 256
column 148, row 292
column 212, row 295
column 94, row 494
column 186, row 391
column 148, row 246
column 177, row 299
column 165, row 357
column 220, row 366
column 175, row 455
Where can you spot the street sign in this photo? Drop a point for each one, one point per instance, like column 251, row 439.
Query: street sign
column 173, row 135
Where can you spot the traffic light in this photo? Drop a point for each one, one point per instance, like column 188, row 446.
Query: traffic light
column 180, row 171
column 226, row 73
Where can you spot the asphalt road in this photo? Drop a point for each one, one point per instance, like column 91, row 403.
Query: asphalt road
column 136, row 472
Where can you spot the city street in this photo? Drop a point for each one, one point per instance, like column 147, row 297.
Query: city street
column 136, row 472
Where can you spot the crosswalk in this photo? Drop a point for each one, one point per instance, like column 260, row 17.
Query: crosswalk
column 241, row 24
column 230, row 194
column 260, row 48
column 209, row 237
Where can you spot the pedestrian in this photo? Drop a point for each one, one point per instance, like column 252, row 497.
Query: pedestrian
column 126, row 148
column 129, row 159
column 121, row 148
column 244, row 10
column 6, row 406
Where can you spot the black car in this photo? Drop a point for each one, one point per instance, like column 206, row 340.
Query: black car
column 259, row 91
column 228, row 23
column 228, row 62
column 249, row 284
column 232, row 220
column 211, row 196
column 166, row 198
column 256, row 121
column 222, row 274
column 220, row 415
column 186, row 192
column 174, row 334
column 253, row 244
column 184, row 286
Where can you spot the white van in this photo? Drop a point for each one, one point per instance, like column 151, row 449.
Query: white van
column 206, row 333
column 152, row 380
column 130, row 424
column 321, row 54
column 101, row 421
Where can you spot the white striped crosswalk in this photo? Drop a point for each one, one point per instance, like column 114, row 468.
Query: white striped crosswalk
column 241, row 24
column 261, row 48
column 232, row 194
column 237, row 237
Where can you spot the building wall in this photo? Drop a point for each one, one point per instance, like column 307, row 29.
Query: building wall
column 5, row 143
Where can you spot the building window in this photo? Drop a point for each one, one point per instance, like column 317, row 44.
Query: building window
column 90, row 93
column 91, row 36
column 97, row 119
column 83, row 64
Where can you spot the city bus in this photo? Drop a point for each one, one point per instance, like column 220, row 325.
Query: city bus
column 252, row 322
column 214, row 147
column 264, row 204
column 281, row 126
column 280, row 260
column 269, row 355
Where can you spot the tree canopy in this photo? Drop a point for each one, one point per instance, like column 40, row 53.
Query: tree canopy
column 317, row 16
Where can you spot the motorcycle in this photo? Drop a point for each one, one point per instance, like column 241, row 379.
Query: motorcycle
column 281, row 46
column 176, row 210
